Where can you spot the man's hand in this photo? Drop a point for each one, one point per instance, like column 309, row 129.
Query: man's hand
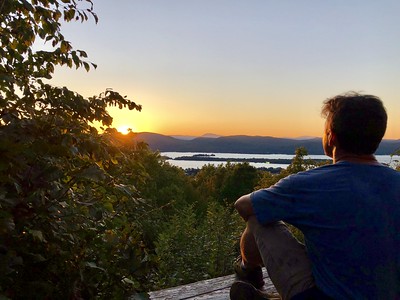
column 244, row 207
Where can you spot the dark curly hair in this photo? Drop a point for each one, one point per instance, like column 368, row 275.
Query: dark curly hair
column 359, row 121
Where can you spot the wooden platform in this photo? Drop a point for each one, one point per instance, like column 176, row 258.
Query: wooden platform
column 211, row 289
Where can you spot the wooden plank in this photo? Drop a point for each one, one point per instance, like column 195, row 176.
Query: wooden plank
column 210, row 289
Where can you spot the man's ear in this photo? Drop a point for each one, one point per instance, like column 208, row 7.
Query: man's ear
column 332, row 141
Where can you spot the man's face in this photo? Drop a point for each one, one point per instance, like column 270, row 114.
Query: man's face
column 326, row 139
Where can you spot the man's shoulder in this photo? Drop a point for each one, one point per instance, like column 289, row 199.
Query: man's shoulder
column 346, row 166
column 319, row 171
column 342, row 171
column 312, row 176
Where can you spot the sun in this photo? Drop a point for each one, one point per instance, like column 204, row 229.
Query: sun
column 125, row 129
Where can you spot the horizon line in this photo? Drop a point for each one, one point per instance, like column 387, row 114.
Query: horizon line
column 212, row 135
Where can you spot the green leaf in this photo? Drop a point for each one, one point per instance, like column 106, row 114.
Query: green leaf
column 18, row 187
column 14, row 44
column 76, row 59
column 7, row 224
column 37, row 234
column 93, row 266
column 86, row 65
column 108, row 206
column 69, row 14
column 93, row 172
column 64, row 204
column 27, row 5
column 37, row 257
column 130, row 282
column 57, row 15
column 65, row 47
column 7, row 78
column 82, row 53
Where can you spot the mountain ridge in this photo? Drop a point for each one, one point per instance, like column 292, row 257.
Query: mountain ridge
column 244, row 144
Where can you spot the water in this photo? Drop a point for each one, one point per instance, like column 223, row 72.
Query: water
column 188, row 164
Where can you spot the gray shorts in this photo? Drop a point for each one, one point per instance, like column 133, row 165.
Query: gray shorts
column 284, row 257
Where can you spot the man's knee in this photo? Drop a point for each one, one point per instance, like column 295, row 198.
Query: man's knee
column 284, row 257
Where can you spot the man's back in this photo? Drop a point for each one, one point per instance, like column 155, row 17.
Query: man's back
column 350, row 216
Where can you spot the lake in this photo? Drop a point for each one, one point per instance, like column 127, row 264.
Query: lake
column 198, row 164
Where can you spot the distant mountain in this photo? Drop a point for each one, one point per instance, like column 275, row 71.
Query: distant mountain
column 190, row 137
column 304, row 138
column 184, row 137
column 210, row 135
column 243, row 144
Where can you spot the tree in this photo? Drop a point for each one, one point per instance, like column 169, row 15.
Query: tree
column 24, row 92
column 299, row 163
column 240, row 179
column 62, row 207
column 226, row 183
column 193, row 247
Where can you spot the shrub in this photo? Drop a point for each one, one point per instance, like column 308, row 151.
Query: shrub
column 191, row 249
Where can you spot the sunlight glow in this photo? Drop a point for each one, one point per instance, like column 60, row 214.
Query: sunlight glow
column 125, row 129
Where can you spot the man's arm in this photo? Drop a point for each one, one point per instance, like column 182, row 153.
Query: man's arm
column 244, row 207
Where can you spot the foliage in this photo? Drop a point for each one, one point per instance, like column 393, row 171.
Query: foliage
column 178, row 261
column 240, row 179
column 24, row 93
column 394, row 161
column 63, row 205
column 226, row 183
column 63, row 211
column 191, row 249
column 221, row 227
column 299, row 162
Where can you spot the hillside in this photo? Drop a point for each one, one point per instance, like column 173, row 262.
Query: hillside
column 243, row 144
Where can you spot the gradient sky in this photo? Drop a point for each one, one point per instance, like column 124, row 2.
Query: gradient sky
column 254, row 67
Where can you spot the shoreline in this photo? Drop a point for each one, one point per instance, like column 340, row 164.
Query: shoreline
column 233, row 159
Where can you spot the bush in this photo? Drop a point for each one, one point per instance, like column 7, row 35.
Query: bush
column 225, row 183
column 191, row 249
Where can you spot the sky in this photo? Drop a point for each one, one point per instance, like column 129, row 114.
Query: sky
column 230, row 67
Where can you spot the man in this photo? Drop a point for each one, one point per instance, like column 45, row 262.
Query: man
column 349, row 213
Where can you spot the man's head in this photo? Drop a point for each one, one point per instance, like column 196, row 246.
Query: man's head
column 357, row 123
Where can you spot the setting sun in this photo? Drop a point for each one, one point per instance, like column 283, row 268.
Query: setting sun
column 125, row 129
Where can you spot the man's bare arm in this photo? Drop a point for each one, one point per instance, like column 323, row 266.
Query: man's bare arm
column 244, row 207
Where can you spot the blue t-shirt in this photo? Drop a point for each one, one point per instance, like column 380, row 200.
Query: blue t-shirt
column 349, row 214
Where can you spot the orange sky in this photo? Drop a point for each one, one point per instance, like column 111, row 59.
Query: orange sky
column 253, row 68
